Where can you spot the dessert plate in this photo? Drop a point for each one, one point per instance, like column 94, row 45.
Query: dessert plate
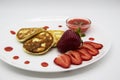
column 11, row 50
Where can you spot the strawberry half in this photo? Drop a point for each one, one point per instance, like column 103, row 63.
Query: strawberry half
column 91, row 49
column 96, row 45
column 63, row 60
column 75, row 57
column 84, row 54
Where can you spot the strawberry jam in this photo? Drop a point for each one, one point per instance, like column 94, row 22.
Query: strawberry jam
column 91, row 38
column 27, row 62
column 8, row 49
column 15, row 57
column 12, row 32
column 44, row 64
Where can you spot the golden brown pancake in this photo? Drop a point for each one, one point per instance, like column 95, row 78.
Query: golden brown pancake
column 56, row 35
column 39, row 44
column 25, row 33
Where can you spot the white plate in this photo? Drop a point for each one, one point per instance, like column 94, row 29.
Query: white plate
column 7, row 39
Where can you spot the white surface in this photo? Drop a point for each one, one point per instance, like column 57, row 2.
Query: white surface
column 35, row 61
column 102, row 12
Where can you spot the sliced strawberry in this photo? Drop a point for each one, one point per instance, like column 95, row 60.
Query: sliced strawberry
column 91, row 49
column 96, row 45
column 63, row 60
column 84, row 54
column 75, row 57
column 92, row 53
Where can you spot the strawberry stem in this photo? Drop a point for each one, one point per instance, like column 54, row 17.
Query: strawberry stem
column 78, row 31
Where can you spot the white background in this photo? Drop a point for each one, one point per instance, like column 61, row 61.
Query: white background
column 105, row 13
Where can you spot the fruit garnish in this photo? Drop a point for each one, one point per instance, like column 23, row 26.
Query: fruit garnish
column 91, row 49
column 96, row 45
column 70, row 40
column 75, row 57
column 84, row 54
column 63, row 60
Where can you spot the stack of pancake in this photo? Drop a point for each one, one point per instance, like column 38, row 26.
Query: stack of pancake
column 37, row 41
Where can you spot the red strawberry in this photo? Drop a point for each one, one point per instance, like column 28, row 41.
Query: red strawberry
column 96, row 45
column 84, row 54
column 70, row 40
column 75, row 57
column 63, row 60
column 91, row 49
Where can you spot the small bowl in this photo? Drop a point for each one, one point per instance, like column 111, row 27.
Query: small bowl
column 75, row 23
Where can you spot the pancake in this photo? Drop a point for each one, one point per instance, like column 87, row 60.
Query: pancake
column 25, row 33
column 39, row 44
column 56, row 35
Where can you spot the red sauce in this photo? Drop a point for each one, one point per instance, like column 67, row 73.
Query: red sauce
column 15, row 57
column 59, row 25
column 91, row 38
column 26, row 62
column 45, row 27
column 12, row 32
column 8, row 49
column 76, row 21
column 44, row 64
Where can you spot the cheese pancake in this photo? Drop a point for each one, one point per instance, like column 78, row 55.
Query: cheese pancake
column 25, row 33
column 56, row 35
column 39, row 44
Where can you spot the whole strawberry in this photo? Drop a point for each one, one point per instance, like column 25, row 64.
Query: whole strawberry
column 70, row 40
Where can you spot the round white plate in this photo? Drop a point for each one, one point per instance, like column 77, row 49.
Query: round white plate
column 8, row 39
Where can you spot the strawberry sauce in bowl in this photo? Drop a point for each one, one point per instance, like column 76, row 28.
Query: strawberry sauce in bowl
column 75, row 23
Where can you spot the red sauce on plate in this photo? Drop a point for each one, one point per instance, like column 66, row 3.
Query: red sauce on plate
column 12, row 32
column 44, row 64
column 8, row 49
column 60, row 26
column 26, row 62
column 15, row 57
column 45, row 27
column 91, row 38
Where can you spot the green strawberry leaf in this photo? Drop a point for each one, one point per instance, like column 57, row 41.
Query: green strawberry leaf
column 78, row 31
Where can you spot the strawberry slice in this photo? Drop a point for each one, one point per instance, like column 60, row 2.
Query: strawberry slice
column 84, row 54
column 63, row 61
column 75, row 57
column 96, row 45
column 91, row 49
